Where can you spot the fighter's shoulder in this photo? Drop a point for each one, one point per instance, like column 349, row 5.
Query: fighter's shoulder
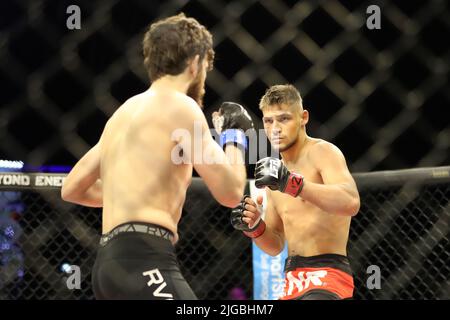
column 187, row 106
column 118, row 114
column 321, row 149
column 179, row 104
column 125, row 106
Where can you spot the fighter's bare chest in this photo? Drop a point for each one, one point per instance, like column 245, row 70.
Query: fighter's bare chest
column 286, row 205
column 308, row 170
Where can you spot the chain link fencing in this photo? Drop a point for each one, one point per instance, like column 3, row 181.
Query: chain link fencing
column 378, row 95
column 374, row 93
column 402, row 228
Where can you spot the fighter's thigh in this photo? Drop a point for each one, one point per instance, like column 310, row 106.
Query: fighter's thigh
column 132, row 279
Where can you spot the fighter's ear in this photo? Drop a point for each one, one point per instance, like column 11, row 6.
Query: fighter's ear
column 194, row 67
column 305, row 117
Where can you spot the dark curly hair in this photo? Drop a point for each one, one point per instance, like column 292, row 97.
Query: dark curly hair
column 169, row 44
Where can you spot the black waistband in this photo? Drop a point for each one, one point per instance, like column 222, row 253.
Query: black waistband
column 140, row 227
column 329, row 260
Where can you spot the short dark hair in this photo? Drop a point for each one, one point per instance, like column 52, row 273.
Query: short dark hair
column 281, row 94
column 168, row 45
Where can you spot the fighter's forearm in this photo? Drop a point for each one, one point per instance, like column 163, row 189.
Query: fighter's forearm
column 235, row 158
column 92, row 197
column 339, row 199
column 270, row 242
column 82, row 184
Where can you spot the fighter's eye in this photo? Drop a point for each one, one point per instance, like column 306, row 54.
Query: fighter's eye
column 268, row 121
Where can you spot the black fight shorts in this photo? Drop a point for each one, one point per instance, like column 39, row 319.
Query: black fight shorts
column 137, row 261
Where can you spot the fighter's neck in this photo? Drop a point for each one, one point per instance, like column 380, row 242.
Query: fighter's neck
column 291, row 156
column 175, row 83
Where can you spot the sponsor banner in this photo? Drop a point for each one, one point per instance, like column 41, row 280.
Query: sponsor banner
column 31, row 180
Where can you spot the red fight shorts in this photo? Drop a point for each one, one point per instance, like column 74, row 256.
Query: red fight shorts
column 322, row 277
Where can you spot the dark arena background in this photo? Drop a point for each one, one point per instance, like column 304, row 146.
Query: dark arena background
column 381, row 95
